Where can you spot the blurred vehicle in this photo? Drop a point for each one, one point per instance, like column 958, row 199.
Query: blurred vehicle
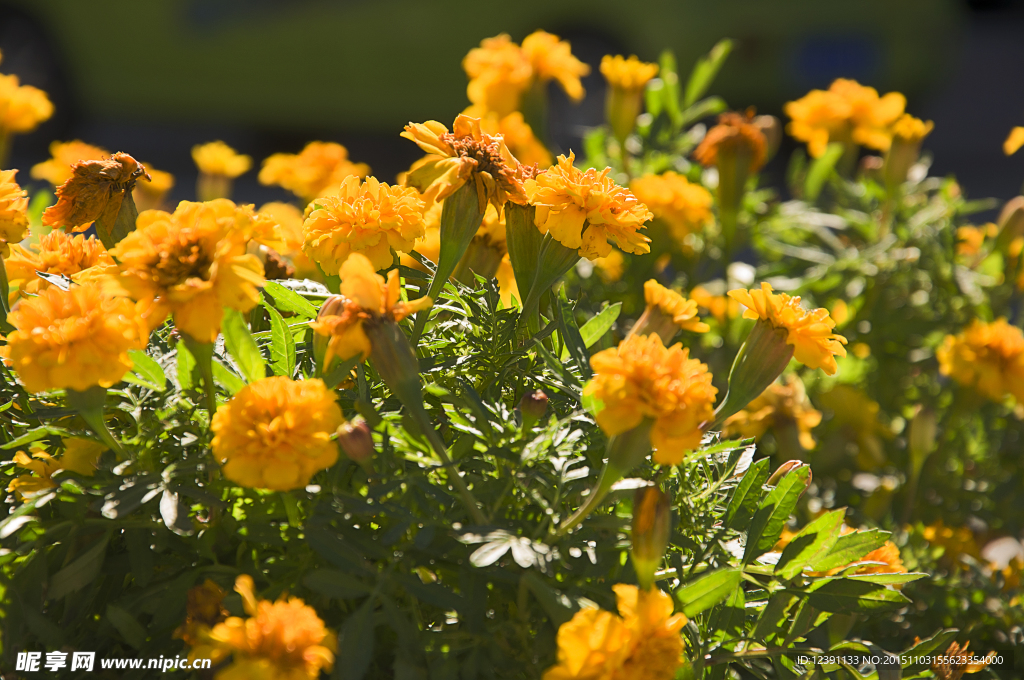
column 298, row 64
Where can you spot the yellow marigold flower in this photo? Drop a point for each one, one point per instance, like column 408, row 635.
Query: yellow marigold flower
column 970, row 239
column 365, row 297
column 611, row 267
column 75, row 339
column 585, row 210
column 499, row 72
column 289, row 222
column 888, row 555
column 1014, row 141
column 628, row 74
column 13, row 212
column 283, row 640
column 94, row 192
column 809, row 332
column 846, row 112
column 911, row 130
column 667, row 312
column 641, row 378
column 685, row 207
column 64, row 155
column 955, row 541
column 551, row 58
column 988, row 357
column 275, row 433
column 782, row 405
column 22, row 107
column 642, row 643
column 721, row 307
column 41, row 466
column 81, row 455
column 318, row 167
column 190, row 263
column 466, row 154
column 734, row 133
column 516, row 132
column 508, row 287
column 76, row 257
column 956, row 661
column 217, row 158
column 368, row 217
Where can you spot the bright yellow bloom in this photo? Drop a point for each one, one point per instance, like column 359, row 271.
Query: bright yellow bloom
column 642, row 643
column 721, row 307
column 365, row 297
column 1014, row 141
column 275, row 433
column 809, row 332
column 782, row 405
column 368, row 217
column 94, row 191
column 846, row 112
column 627, row 74
column 586, row 210
column 80, row 456
column 191, row 263
column 289, row 222
column 64, row 155
column 685, row 207
column 466, row 154
column 499, row 72
column 667, row 311
column 76, row 257
column 735, row 132
column 641, row 378
column 13, row 212
column 911, row 130
column 516, row 132
column 508, row 287
column 283, row 640
column 22, row 107
column 76, row 339
column 988, row 357
column 551, row 58
column 217, row 158
column 316, row 169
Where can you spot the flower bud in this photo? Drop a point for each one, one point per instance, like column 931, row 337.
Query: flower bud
column 762, row 358
column 356, row 442
column 652, row 522
column 784, row 470
column 533, row 406
column 332, row 306
column 921, row 438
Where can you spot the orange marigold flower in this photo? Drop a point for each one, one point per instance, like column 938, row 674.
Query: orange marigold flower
column 282, row 640
column 846, row 112
column 76, row 257
column 780, row 406
column 289, row 222
column 641, row 378
column 627, row 74
column 685, row 207
column 22, row 107
column 41, row 467
column 94, row 192
column 955, row 541
column 667, row 312
column 499, row 72
column 911, row 130
column 735, row 133
column 275, row 433
column 191, row 263
column 642, row 642
column 956, row 661
column 988, row 357
column 364, row 297
column 368, row 217
column 585, row 210
column 13, row 212
column 516, row 132
column 76, row 338
column 970, row 238
column 551, row 58
column 217, row 158
column 64, row 155
column 466, row 154
column 721, row 307
column 308, row 174
column 809, row 332
column 1014, row 141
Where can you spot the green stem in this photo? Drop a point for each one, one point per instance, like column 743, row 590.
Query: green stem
column 5, row 146
column 468, row 499
column 203, row 353
column 609, row 476
column 89, row 405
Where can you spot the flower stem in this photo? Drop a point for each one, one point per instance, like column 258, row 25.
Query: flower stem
column 89, row 405
column 203, row 353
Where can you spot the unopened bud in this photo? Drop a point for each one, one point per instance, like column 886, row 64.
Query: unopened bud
column 652, row 523
column 332, row 306
column 533, row 406
column 761, row 359
column 784, row 470
column 357, row 443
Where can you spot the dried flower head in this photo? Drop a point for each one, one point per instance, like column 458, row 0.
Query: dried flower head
column 13, row 212
column 78, row 258
column 316, row 169
column 988, row 357
column 217, row 158
column 94, row 192
column 517, row 133
column 736, row 134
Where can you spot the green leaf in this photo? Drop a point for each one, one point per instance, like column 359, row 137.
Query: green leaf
column 820, row 170
column 242, row 347
column 289, row 301
column 146, row 371
column 708, row 590
column 747, row 494
column 35, row 435
column 355, row 644
column 186, row 364
column 125, row 624
column 813, row 542
column 888, row 579
column 226, row 378
column 929, row 646
column 556, row 605
column 79, row 573
column 336, row 584
column 669, row 76
column 853, row 596
column 597, row 326
column 570, row 333
column 731, row 615
column 282, row 345
column 773, row 512
column 705, row 71
column 773, row 614
column 850, row 548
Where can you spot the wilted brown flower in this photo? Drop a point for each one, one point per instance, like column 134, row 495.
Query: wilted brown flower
column 94, row 192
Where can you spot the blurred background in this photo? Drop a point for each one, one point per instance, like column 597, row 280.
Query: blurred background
column 154, row 78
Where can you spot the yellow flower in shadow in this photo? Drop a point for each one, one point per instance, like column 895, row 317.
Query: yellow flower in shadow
column 685, row 207
column 22, row 107
column 988, row 357
column 63, row 157
column 13, row 212
column 781, row 407
column 551, row 59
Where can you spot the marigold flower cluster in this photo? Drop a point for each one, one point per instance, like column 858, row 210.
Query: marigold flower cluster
column 783, row 404
column 78, row 258
column 809, row 332
column 988, row 357
column 517, row 133
column 282, row 640
column 318, row 168
column 847, row 112
column 641, row 378
column 587, row 210
column 22, row 107
column 684, row 206
column 13, row 212
column 642, row 641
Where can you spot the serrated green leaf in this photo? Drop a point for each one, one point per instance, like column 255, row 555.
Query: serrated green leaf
column 773, row 513
column 289, row 301
column 708, row 590
column 811, row 543
column 849, row 549
column 597, row 326
column 282, row 345
column 146, row 371
column 773, row 614
column 241, row 346
column 746, row 495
